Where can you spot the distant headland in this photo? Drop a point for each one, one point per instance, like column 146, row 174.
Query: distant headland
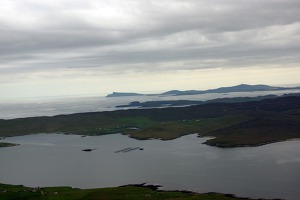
column 236, row 88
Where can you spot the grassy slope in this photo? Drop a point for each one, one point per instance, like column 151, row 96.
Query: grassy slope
column 233, row 124
column 11, row 192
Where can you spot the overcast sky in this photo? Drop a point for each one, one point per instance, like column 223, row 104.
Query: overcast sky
column 65, row 47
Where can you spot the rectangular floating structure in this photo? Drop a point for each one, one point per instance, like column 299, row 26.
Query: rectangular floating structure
column 129, row 149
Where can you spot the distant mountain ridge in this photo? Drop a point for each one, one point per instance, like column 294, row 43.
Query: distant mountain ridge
column 236, row 88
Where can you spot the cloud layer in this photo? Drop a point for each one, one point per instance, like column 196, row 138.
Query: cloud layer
column 150, row 36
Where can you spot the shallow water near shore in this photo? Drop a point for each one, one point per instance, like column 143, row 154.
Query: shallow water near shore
column 269, row 171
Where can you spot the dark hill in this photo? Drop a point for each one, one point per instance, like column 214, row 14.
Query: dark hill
column 233, row 124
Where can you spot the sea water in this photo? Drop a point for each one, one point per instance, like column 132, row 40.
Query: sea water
column 269, row 171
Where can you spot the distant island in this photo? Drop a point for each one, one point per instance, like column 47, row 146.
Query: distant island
column 237, row 88
column 123, row 94
column 156, row 104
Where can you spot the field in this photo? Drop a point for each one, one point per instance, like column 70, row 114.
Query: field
column 13, row 192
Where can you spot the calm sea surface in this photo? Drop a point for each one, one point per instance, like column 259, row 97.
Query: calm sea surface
column 16, row 108
column 270, row 171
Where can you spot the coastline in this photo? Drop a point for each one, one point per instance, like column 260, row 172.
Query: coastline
column 131, row 191
column 6, row 144
column 245, row 124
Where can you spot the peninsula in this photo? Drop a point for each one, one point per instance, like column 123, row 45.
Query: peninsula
column 170, row 103
column 231, row 124
column 5, row 144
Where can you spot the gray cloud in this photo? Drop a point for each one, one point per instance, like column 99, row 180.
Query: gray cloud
column 132, row 35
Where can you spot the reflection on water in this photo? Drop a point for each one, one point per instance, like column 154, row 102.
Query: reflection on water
column 270, row 171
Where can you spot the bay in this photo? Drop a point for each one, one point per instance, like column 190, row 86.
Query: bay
column 269, row 171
